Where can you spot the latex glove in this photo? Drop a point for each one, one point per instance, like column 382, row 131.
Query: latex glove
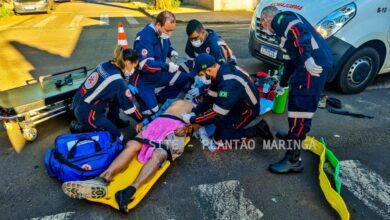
column 174, row 53
column 279, row 90
column 187, row 117
column 173, row 67
column 312, row 67
column 132, row 89
column 195, row 92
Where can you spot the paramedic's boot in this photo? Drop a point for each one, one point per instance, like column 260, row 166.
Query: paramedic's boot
column 95, row 188
column 263, row 131
column 290, row 163
column 76, row 127
column 124, row 197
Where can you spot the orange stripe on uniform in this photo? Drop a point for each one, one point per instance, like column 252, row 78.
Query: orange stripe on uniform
column 208, row 117
column 296, row 34
column 293, row 127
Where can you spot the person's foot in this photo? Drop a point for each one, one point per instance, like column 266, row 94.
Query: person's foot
column 95, row 188
column 76, row 127
column 124, row 197
column 286, row 166
column 263, row 131
column 121, row 123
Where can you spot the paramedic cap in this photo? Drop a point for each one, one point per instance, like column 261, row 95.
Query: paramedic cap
column 203, row 61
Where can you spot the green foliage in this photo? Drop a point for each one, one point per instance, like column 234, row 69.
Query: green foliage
column 166, row 4
column 176, row 3
column 4, row 12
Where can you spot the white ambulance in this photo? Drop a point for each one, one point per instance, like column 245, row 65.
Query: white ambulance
column 357, row 30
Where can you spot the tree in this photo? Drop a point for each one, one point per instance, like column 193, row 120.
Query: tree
column 163, row 4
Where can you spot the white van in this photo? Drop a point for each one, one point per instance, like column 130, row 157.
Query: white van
column 357, row 30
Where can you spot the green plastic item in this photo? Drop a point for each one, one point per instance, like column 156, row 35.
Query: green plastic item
column 334, row 162
column 280, row 102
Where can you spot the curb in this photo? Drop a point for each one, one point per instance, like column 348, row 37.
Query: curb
column 142, row 10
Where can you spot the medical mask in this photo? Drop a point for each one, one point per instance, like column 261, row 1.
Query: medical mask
column 205, row 80
column 197, row 43
column 165, row 36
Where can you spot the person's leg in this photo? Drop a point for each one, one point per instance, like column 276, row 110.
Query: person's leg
column 301, row 110
column 148, row 103
column 122, row 161
column 101, row 122
column 124, row 197
column 113, row 115
column 97, row 187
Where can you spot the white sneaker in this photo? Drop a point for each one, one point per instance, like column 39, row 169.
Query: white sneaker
column 95, row 188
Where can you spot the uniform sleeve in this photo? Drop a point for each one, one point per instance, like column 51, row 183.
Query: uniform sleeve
column 126, row 102
column 216, row 52
column 144, row 47
column 207, row 103
column 301, row 37
column 288, row 71
column 228, row 96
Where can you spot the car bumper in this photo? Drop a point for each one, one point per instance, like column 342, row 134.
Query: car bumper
column 341, row 50
column 33, row 8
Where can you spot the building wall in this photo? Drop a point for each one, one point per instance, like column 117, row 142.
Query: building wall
column 224, row 5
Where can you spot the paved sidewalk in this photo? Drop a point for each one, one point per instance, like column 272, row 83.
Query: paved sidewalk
column 187, row 12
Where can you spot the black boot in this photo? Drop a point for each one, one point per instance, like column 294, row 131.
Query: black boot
column 76, row 127
column 290, row 163
column 263, row 131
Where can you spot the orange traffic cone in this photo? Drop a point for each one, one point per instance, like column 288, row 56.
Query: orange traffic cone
column 122, row 40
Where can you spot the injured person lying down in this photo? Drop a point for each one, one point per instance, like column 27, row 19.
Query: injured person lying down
column 160, row 140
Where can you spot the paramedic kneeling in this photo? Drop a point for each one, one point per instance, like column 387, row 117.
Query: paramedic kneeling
column 153, row 46
column 308, row 61
column 104, row 86
column 232, row 102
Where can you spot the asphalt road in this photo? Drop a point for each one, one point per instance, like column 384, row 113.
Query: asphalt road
column 200, row 185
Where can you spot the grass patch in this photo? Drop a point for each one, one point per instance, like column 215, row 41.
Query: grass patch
column 4, row 12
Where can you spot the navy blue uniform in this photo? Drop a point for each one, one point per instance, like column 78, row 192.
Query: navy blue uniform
column 102, row 88
column 300, row 41
column 231, row 104
column 153, row 76
column 213, row 45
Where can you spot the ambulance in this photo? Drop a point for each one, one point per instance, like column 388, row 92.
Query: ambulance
column 357, row 30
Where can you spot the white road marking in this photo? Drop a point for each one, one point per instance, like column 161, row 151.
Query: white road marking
column 76, row 21
column 60, row 216
column 367, row 186
column 44, row 22
column 225, row 200
column 131, row 20
column 104, row 20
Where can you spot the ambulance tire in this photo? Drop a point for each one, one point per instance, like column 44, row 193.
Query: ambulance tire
column 358, row 71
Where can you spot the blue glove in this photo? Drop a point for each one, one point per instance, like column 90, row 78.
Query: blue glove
column 195, row 92
column 132, row 89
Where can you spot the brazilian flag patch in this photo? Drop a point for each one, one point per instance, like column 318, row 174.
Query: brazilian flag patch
column 223, row 94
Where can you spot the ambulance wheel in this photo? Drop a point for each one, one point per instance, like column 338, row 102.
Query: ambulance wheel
column 359, row 71
column 30, row 134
